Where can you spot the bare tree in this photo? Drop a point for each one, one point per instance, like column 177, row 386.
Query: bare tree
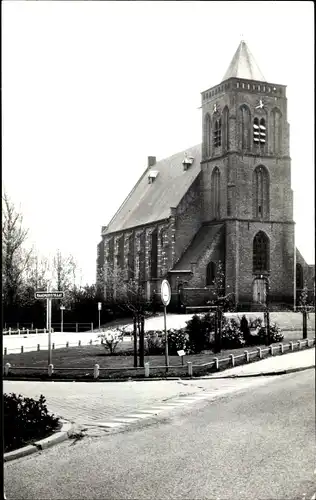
column 64, row 271
column 15, row 257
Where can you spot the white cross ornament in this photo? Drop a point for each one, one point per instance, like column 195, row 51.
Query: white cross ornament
column 260, row 105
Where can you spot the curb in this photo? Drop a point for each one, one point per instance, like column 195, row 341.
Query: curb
column 261, row 374
column 55, row 438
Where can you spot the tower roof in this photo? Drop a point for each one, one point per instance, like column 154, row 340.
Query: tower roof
column 243, row 65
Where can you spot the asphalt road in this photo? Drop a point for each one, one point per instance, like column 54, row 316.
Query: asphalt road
column 255, row 444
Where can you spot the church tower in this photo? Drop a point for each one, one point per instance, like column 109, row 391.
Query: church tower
column 246, row 179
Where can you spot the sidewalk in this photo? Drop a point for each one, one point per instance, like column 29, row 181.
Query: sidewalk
column 272, row 365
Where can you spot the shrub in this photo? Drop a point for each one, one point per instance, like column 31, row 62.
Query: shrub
column 245, row 329
column 154, row 343
column 25, row 420
column 110, row 339
column 275, row 334
column 177, row 340
column 232, row 336
column 198, row 330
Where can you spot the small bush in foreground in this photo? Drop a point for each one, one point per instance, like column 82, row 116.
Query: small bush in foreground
column 25, row 420
column 275, row 334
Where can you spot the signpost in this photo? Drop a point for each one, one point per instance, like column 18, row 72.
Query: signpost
column 62, row 308
column 48, row 296
column 165, row 298
column 181, row 353
column 99, row 309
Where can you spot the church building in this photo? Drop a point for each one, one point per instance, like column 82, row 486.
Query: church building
column 227, row 202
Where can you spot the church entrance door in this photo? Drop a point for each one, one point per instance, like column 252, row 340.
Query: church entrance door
column 260, row 291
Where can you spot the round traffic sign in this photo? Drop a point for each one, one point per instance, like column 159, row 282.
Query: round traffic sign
column 165, row 292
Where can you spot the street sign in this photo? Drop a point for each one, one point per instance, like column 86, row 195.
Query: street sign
column 99, row 306
column 49, row 295
column 165, row 292
column 181, row 353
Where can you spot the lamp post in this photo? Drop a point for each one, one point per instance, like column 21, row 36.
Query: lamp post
column 62, row 308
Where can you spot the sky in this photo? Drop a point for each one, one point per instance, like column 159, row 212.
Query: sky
column 91, row 89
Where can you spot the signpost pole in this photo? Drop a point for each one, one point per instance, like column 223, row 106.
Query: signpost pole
column 49, row 314
column 165, row 299
column 166, row 337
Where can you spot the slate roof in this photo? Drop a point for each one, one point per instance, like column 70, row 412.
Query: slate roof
column 203, row 239
column 243, row 65
column 148, row 203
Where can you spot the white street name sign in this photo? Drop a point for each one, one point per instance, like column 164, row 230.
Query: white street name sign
column 49, row 295
column 181, row 353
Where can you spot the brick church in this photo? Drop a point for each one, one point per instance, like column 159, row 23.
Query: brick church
column 228, row 200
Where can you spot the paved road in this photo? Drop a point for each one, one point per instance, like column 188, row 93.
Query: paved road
column 258, row 443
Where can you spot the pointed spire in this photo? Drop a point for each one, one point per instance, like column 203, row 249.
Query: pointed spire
column 243, row 65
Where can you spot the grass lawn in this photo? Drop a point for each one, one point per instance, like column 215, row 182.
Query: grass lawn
column 78, row 362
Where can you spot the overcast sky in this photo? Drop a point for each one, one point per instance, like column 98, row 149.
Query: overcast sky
column 90, row 89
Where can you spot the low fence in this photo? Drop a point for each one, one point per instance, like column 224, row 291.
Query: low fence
column 56, row 327
column 191, row 367
column 26, row 331
column 20, row 349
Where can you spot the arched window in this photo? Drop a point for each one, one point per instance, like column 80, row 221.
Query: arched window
column 276, row 130
column 262, row 132
column 215, row 193
column 260, row 193
column 162, row 238
column 260, row 252
column 226, row 128
column 217, row 136
column 210, row 273
column 245, row 127
column 154, row 255
column 207, row 135
column 299, row 277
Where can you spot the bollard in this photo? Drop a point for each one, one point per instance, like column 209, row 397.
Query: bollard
column 190, row 369
column 216, row 363
column 247, row 356
column 92, row 327
column 67, row 344
column 50, row 370
column 5, row 351
column 38, row 347
column 27, row 331
column 79, row 343
column 232, row 358
column 292, row 346
column 271, row 349
column 44, row 330
column 260, row 352
column 76, row 327
column 53, row 345
column 299, row 344
column 19, row 332
column 96, row 371
column 282, row 348
column 36, row 330
column 7, row 367
column 32, row 324
column 147, row 369
column 22, row 349
column 10, row 331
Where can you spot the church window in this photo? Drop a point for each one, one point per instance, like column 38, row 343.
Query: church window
column 245, row 128
column 130, row 258
column 207, row 135
column 237, row 85
column 276, row 130
column 226, row 128
column 256, row 131
column 217, row 133
column 260, row 193
column 260, row 252
column 299, row 277
column 215, row 193
column 154, row 255
column 210, row 273
column 162, row 238
column 259, row 131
